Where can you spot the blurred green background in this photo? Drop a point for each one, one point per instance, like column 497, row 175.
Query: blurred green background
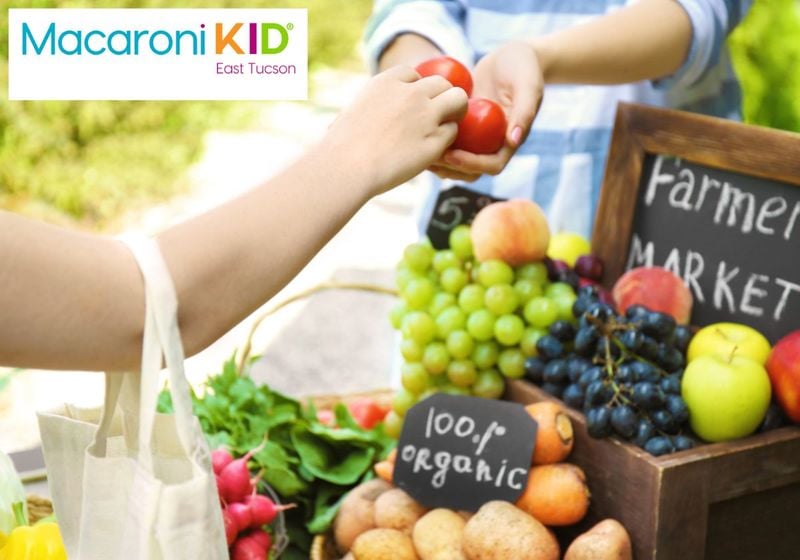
column 87, row 162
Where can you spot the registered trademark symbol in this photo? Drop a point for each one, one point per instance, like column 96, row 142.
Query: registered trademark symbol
column 289, row 26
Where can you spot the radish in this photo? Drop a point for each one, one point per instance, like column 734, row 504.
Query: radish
column 234, row 480
column 263, row 509
column 261, row 537
column 229, row 487
column 220, row 458
column 248, row 548
column 231, row 529
column 241, row 514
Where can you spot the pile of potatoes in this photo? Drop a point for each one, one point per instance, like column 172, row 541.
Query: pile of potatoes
column 380, row 522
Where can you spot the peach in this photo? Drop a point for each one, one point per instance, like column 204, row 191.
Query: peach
column 514, row 231
column 655, row 288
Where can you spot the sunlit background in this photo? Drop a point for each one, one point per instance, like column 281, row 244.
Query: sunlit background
column 115, row 166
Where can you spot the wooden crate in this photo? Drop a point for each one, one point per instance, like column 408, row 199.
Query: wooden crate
column 737, row 500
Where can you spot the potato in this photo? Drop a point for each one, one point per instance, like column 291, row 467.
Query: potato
column 357, row 513
column 499, row 531
column 383, row 544
column 437, row 535
column 465, row 515
column 397, row 510
column 608, row 540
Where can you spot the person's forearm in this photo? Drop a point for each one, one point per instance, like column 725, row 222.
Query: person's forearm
column 409, row 49
column 646, row 40
column 75, row 301
column 225, row 264
column 260, row 242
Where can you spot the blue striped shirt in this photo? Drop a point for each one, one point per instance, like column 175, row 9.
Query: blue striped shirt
column 561, row 164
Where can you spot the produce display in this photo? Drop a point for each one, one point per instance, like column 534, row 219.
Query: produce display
column 468, row 325
column 508, row 299
column 264, row 440
column 20, row 540
column 244, row 512
column 505, row 299
column 378, row 521
column 624, row 371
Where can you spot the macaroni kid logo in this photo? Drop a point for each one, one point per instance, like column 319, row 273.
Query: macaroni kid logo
column 158, row 54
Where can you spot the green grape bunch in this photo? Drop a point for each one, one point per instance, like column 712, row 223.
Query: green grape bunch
column 468, row 326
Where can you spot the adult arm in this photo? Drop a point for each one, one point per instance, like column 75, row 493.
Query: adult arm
column 72, row 300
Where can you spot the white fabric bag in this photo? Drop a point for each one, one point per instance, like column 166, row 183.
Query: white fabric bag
column 131, row 484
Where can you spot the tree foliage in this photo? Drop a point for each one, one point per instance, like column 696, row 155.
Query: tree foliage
column 92, row 160
column 766, row 55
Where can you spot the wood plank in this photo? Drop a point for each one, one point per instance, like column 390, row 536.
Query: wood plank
column 683, row 512
column 760, row 526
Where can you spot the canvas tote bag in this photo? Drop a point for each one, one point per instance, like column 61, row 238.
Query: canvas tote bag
column 127, row 483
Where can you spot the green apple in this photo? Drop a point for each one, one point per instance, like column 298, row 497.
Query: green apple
column 725, row 339
column 727, row 397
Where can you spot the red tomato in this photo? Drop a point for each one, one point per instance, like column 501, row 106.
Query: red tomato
column 483, row 128
column 449, row 68
column 366, row 412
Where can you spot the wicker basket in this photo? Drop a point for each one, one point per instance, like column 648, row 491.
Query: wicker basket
column 38, row 508
column 323, row 549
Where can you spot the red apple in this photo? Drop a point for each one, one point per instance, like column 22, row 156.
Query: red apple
column 783, row 366
column 655, row 288
column 514, row 231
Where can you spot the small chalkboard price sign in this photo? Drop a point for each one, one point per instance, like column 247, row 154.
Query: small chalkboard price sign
column 454, row 206
column 715, row 202
column 461, row 452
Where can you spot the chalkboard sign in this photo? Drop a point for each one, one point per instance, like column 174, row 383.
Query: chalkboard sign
column 454, row 206
column 461, row 452
column 715, row 202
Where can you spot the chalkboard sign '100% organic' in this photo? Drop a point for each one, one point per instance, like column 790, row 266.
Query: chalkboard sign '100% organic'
column 461, row 452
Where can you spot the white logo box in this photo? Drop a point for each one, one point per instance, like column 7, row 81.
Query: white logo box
column 158, row 54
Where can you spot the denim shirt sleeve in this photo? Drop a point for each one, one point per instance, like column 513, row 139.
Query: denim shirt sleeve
column 712, row 21
column 439, row 21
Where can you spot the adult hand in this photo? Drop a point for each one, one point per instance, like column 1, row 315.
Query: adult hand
column 397, row 126
column 511, row 76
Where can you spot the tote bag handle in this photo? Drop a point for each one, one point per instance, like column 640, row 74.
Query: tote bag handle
column 161, row 341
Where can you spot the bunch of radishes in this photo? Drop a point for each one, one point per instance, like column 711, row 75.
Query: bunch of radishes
column 244, row 512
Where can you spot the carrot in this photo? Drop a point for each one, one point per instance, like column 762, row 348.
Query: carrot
column 385, row 470
column 556, row 494
column 392, row 456
column 554, row 436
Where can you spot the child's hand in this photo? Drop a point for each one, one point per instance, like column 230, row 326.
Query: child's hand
column 511, row 76
column 397, row 126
